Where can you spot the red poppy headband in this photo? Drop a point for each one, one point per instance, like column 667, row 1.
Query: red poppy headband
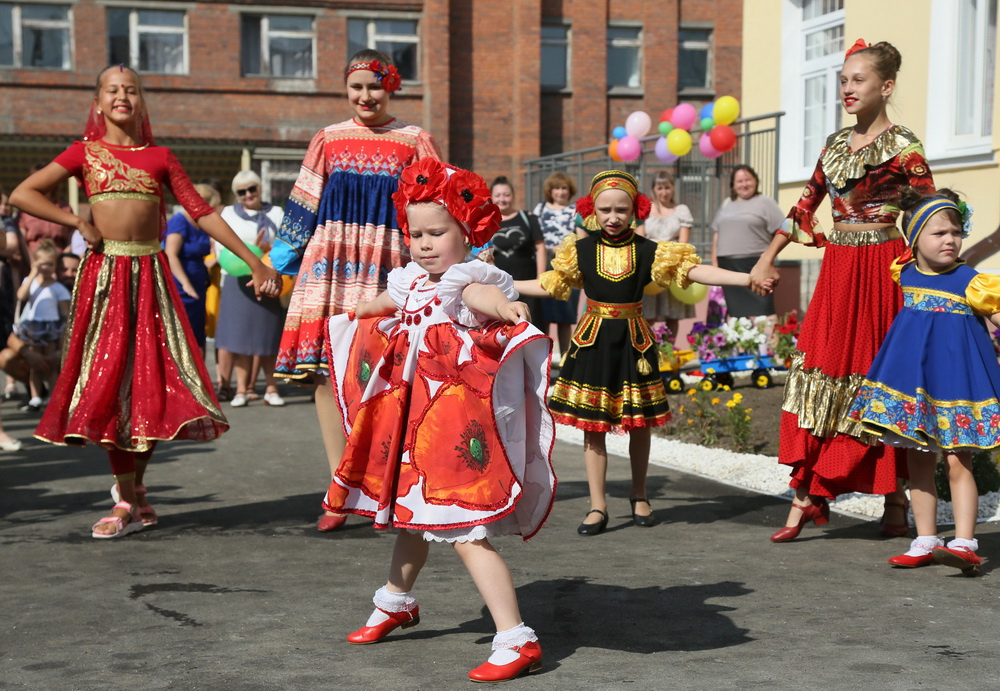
column 463, row 193
column 609, row 180
column 859, row 45
column 387, row 75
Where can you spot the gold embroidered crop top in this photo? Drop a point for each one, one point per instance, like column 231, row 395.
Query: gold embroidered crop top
column 117, row 172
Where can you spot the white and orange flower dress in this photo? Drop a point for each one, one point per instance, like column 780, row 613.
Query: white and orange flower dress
column 444, row 412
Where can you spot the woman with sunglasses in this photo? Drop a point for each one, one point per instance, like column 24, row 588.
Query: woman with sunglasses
column 248, row 328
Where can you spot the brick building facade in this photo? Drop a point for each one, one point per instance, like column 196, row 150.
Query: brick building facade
column 229, row 83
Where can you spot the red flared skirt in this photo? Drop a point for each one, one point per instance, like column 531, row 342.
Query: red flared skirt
column 131, row 369
column 850, row 313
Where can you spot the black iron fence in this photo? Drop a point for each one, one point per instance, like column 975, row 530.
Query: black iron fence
column 702, row 183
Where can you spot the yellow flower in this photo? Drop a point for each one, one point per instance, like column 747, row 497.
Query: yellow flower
column 737, row 398
column 691, row 392
column 715, row 401
column 943, row 423
column 748, row 411
column 690, row 421
column 878, row 406
column 731, row 404
column 725, row 388
column 680, row 411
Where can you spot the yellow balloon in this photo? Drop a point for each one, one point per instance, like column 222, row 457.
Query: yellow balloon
column 679, row 141
column 726, row 110
column 653, row 288
column 693, row 294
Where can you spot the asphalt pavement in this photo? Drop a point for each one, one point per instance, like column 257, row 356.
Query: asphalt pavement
column 236, row 590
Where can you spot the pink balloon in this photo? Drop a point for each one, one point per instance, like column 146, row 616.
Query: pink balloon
column 629, row 148
column 706, row 148
column 684, row 116
column 663, row 152
column 637, row 124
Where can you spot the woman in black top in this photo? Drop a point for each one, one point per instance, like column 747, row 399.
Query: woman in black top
column 518, row 247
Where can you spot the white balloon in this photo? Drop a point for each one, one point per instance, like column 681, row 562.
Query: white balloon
column 637, row 124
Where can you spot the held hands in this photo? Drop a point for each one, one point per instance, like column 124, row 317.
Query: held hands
column 265, row 280
column 763, row 289
column 764, row 277
column 514, row 312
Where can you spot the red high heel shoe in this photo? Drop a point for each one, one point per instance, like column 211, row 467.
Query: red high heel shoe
column 895, row 529
column 530, row 661
column 328, row 522
column 374, row 634
column 818, row 513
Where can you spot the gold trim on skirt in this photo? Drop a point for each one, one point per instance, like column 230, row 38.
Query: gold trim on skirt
column 130, row 248
column 822, row 402
column 863, row 238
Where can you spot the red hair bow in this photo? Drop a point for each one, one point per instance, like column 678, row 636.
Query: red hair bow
column 858, row 45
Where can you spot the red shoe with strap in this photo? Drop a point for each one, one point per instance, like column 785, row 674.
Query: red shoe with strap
column 818, row 513
column 959, row 558
column 374, row 634
column 529, row 660
column 908, row 562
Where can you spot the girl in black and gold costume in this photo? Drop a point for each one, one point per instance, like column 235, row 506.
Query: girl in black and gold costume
column 610, row 379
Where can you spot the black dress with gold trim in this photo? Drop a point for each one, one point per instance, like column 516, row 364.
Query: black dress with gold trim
column 609, row 378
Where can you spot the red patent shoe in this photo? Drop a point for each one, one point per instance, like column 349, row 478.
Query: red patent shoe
column 960, row 558
column 374, row 634
column 818, row 513
column 908, row 562
column 328, row 522
column 886, row 529
column 530, row 661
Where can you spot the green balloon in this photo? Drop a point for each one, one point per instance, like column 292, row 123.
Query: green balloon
column 707, row 124
column 665, row 127
column 233, row 265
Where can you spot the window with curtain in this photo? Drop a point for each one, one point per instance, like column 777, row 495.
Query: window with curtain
column 276, row 45
column 35, row 36
column 148, row 40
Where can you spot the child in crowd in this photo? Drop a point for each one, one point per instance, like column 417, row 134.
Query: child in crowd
column 43, row 317
column 129, row 376
column 69, row 264
column 935, row 384
column 610, row 379
column 448, row 438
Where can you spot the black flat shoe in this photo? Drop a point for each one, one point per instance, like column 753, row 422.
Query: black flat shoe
column 594, row 528
column 642, row 521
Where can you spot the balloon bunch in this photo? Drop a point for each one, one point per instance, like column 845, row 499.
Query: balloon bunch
column 717, row 137
column 626, row 144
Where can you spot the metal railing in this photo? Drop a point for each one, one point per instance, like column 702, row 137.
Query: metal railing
column 702, row 183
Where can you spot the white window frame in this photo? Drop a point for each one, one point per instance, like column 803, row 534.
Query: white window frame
column 636, row 43
column 372, row 36
column 135, row 29
column 18, row 24
column 567, row 44
column 708, row 47
column 265, row 44
column 942, row 145
column 795, row 164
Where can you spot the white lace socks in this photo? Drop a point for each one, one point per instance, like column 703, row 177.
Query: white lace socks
column 962, row 543
column 505, row 642
column 924, row 545
column 388, row 601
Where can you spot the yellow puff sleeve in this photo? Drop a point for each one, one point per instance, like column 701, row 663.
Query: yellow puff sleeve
column 672, row 263
column 565, row 274
column 983, row 293
column 896, row 267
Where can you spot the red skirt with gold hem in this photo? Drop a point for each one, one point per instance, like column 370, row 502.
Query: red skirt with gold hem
column 131, row 370
column 850, row 313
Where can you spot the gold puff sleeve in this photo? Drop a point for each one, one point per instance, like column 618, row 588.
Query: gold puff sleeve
column 672, row 263
column 983, row 293
column 896, row 268
column 565, row 274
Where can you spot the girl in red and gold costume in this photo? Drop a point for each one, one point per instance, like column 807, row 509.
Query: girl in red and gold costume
column 441, row 384
column 610, row 378
column 131, row 374
column 862, row 168
column 339, row 233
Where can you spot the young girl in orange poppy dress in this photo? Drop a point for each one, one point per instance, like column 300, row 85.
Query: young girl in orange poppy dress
column 441, row 384
column 131, row 373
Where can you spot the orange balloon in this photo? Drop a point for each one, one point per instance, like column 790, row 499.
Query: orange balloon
column 613, row 150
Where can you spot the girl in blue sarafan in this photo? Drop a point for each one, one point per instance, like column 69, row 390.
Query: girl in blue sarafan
column 935, row 383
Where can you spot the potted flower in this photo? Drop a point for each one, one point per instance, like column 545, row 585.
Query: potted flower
column 785, row 337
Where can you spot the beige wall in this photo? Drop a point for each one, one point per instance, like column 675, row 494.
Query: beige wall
column 905, row 24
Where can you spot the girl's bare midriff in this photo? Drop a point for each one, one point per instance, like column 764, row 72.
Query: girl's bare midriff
column 127, row 220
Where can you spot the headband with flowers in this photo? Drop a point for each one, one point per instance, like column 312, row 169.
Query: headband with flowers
column 463, row 193
column 387, row 75
column 608, row 180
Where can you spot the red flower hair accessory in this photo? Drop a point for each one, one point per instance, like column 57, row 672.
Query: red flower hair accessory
column 387, row 75
column 858, row 45
column 463, row 193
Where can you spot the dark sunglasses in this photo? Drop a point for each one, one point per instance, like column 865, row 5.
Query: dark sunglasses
column 249, row 190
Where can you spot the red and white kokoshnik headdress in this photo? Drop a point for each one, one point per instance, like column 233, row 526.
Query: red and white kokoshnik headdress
column 463, row 193
column 387, row 75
